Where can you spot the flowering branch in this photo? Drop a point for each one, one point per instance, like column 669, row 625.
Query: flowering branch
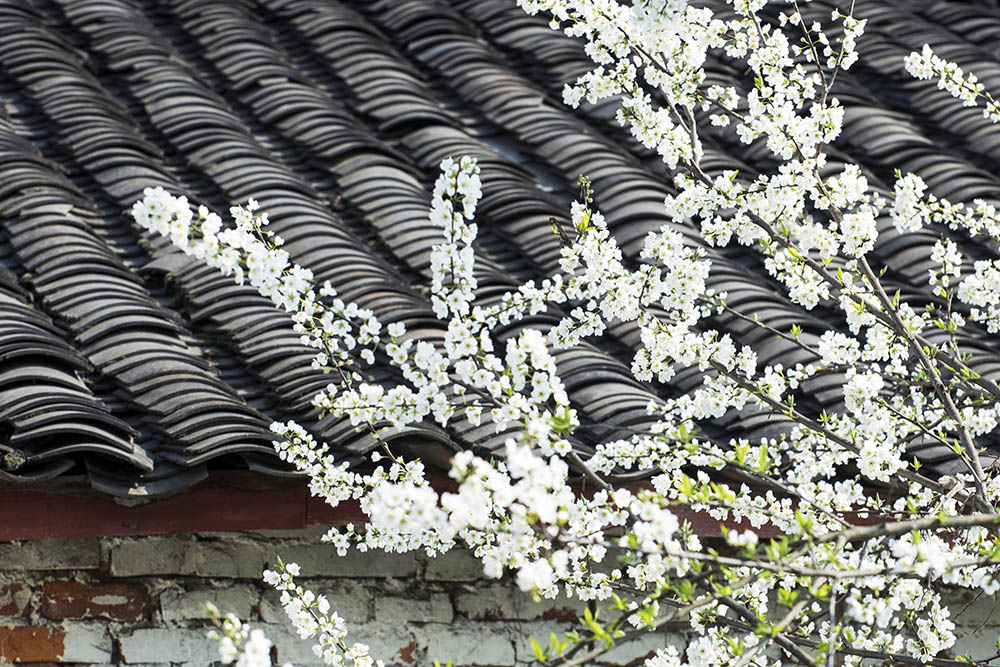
column 841, row 591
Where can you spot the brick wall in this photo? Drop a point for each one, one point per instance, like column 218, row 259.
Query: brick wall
column 139, row 601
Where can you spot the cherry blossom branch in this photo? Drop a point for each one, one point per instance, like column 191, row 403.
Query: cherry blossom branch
column 863, row 533
column 932, row 373
column 813, row 425
column 675, row 615
column 778, row 636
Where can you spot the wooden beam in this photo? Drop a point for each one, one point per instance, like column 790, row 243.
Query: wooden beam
column 227, row 501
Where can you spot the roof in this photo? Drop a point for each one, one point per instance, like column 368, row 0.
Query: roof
column 127, row 362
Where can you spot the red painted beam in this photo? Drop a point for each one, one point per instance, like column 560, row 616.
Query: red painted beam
column 225, row 502
column 29, row 514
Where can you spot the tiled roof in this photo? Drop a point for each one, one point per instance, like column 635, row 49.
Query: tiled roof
column 122, row 359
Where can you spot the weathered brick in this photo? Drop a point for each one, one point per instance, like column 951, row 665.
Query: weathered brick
column 177, row 645
column 468, row 643
column 245, row 558
column 74, row 599
column 87, row 642
column 312, row 532
column 288, row 646
column 180, row 605
column 455, row 565
column 351, row 599
column 320, row 559
column 185, row 555
column 148, row 555
column 436, row 608
column 52, row 554
column 972, row 610
column 31, row 643
column 393, row 644
column 541, row 631
column 640, row 648
column 14, row 599
column 623, row 653
column 69, row 642
column 503, row 601
column 977, row 644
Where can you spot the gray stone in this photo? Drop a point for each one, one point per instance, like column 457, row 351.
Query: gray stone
column 52, row 554
column 180, row 605
column 178, row 644
column 86, row 642
column 434, row 609
column 468, row 643
column 350, row 599
column 455, row 565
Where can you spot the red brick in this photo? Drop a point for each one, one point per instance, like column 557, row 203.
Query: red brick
column 73, row 599
column 9, row 603
column 31, row 643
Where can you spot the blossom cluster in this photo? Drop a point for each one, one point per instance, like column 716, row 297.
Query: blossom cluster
column 341, row 332
column 454, row 202
column 312, row 618
column 513, row 513
column 926, row 64
column 238, row 642
column 866, row 540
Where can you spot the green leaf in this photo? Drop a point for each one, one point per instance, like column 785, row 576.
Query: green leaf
column 741, row 449
column 787, row 597
column 763, row 458
column 537, row 649
column 558, row 646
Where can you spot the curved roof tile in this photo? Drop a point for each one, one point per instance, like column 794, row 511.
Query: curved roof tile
column 123, row 358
